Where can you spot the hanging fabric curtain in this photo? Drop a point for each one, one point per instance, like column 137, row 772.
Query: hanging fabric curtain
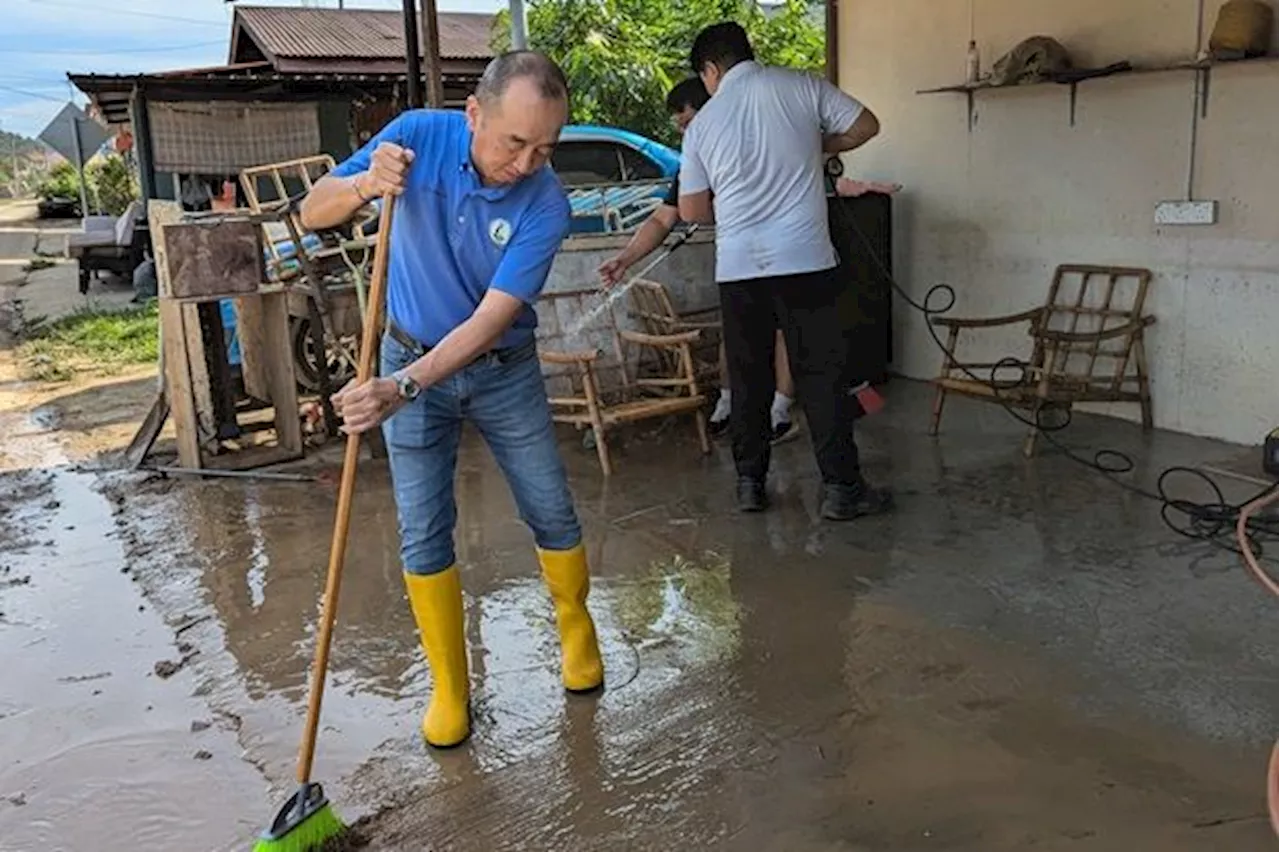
column 223, row 138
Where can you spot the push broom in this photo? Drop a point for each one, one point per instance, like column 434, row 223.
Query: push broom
column 306, row 821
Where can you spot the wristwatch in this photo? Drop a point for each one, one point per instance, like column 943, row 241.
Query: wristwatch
column 406, row 386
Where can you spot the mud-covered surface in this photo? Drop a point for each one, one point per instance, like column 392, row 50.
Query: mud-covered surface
column 1022, row 656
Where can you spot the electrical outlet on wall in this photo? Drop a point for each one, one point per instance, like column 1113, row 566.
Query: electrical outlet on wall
column 1187, row 213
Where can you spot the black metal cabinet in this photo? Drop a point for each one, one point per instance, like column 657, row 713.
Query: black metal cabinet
column 862, row 231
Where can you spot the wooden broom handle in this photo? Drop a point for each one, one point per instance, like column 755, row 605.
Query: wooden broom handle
column 346, row 490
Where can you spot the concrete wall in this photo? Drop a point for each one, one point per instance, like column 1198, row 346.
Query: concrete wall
column 992, row 211
column 688, row 272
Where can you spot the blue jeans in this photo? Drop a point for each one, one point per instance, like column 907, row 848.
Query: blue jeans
column 507, row 402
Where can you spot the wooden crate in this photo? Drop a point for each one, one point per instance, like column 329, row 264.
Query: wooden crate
column 264, row 341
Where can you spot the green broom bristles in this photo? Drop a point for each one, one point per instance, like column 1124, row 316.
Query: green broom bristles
column 312, row 833
column 307, row 836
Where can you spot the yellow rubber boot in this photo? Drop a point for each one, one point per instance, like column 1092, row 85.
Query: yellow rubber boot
column 565, row 572
column 436, row 600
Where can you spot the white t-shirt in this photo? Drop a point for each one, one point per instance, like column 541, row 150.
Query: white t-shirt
column 757, row 145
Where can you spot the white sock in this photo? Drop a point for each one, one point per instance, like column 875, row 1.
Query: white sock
column 781, row 412
column 721, row 412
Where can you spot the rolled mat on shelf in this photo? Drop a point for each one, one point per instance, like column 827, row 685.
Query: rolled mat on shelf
column 1243, row 29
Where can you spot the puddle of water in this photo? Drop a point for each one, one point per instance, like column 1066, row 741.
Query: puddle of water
column 97, row 747
column 245, row 565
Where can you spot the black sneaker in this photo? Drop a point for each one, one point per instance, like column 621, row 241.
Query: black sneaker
column 751, row 495
column 718, row 428
column 846, row 502
column 784, row 431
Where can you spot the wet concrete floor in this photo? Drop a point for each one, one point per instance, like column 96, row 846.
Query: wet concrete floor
column 1022, row 656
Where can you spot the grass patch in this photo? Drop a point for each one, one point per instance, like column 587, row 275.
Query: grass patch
column 91, row 342
column 38, row 263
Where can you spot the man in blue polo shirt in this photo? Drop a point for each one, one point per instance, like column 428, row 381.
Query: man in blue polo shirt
column 479, row 218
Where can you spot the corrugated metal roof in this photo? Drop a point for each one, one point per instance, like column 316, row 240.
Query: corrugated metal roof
column 298, row 33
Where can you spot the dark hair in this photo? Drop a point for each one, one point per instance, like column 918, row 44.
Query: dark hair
column 538, row 67
column 724, row 45
column 687, row 93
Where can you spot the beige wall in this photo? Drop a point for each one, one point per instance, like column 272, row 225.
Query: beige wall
column 993, row 211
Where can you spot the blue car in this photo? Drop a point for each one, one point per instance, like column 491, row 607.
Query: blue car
column 614, row 177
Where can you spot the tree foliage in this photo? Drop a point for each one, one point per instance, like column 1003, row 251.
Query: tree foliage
column 60, row 182
column 109, row 180
column 623, row 56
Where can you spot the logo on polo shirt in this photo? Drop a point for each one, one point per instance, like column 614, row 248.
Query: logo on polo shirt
column 499, row 231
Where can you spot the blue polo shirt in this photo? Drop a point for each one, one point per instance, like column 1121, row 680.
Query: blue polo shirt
column 454, row 238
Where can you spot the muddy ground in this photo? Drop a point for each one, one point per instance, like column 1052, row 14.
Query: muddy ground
column 1022, row 657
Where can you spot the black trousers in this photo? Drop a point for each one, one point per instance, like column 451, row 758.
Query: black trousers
column 810, row 309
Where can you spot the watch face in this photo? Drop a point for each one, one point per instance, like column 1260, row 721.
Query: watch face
column 408, row 387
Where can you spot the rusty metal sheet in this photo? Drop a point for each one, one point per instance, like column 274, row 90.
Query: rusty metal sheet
column 213, row 260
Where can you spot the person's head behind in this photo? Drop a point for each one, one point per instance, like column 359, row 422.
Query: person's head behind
column 718, row 48
column 515, row 115
column 684, row 100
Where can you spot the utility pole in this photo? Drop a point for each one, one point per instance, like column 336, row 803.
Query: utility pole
column 519, row 26
column 75, row 141
column 13, row 154
column 413, row 90
column 431, row 54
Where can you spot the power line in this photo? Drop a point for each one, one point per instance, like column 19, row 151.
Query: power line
column 127, row 52
column 46, row 82
column 33, row 94
column 137, row 13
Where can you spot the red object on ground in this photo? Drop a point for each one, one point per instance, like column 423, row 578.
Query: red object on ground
column 869, row 398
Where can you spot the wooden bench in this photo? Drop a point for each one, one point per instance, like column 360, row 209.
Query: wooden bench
column 1086, row 346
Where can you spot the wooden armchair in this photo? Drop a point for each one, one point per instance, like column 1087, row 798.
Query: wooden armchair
column 1086, row 346
column 653, row 310
column 653, row 376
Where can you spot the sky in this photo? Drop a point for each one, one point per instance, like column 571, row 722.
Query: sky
column 41, row 40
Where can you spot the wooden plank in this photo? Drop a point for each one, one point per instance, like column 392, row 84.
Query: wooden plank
column 147, row 433
column 185, row 375
column 184, row 325
column 251, row 457
column 159, row 214
column 255, row 349
column 277, row 361
column 198, row 373
column 177, row 378
column 217, row 360
column 262, row 289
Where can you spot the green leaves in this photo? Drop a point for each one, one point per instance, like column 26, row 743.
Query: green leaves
column 109, row 180
column 623, row 56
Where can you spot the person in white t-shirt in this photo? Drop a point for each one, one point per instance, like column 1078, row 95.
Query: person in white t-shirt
column 757, row 149
column 683, row 102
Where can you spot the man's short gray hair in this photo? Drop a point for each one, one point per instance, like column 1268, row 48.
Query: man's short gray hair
column 538, row 67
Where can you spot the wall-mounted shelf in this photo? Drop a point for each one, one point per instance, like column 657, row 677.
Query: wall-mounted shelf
column 1202, row 68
